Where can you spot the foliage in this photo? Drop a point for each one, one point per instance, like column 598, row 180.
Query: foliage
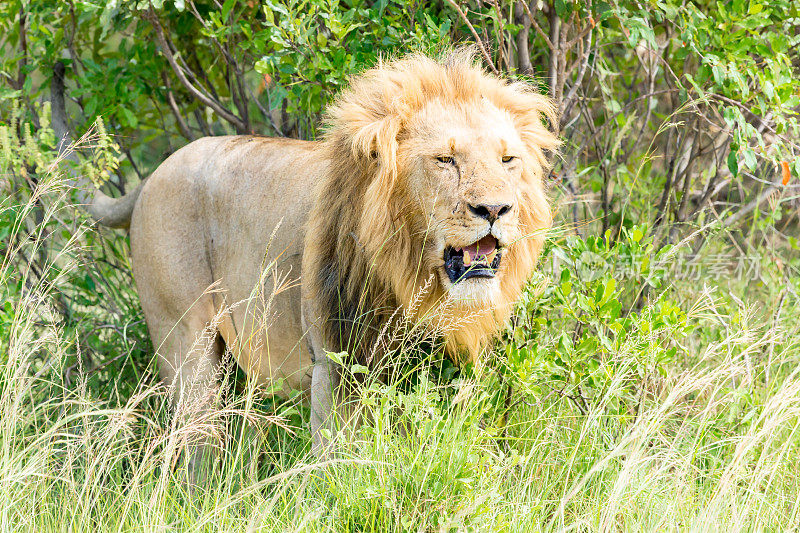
column 45, row 243
column 263, row 66
column 311, row 58
column 577, row 334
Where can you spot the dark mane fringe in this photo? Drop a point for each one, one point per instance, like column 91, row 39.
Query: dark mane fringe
column 354, row 303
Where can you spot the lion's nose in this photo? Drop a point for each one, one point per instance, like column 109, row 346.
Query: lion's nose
column 490, row 212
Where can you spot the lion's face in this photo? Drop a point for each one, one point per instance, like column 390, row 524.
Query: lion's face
column 473, row 200
column 436, row 174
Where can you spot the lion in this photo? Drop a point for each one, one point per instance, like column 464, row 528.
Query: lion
column 424, row 195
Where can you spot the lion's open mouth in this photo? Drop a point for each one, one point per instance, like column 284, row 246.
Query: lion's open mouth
column 480, row 259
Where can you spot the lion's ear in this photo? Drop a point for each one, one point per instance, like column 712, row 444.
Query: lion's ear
column 378, row 139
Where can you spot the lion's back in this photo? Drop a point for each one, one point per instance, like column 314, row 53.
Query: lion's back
column 227, row 187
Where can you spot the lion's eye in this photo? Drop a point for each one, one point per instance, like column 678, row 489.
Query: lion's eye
column 508, row 158
column 446, row 159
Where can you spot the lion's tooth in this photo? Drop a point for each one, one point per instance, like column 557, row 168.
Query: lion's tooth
column 467, row 258
column 490, row 257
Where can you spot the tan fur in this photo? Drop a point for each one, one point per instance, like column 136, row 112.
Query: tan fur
column 363, row 219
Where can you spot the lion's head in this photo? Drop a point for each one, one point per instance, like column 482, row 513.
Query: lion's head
column 436, row 186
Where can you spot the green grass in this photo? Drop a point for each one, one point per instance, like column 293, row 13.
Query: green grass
column 711, row 446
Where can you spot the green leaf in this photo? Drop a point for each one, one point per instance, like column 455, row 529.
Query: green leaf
column 566, row 288
column 614, row 309
column 269, row 16
column 769, row 89
column 359, row 369
column 598, row 294
column 608, row 291
column 749, row 157
column 733, row 164
column 336, row 357
column 130, row 118
column 226, row 8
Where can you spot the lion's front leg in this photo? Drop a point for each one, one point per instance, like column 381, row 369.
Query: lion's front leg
column 335, row 411
column 324, row 384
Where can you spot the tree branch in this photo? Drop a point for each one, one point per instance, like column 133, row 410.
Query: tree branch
column 501, row 45
column 536, row 26
column 478, row 40
column 23, row 45
column 173, row 105
column 113, row 212
column 523, row 47
column 584, row 63
column 750, row 207
column 238, row 123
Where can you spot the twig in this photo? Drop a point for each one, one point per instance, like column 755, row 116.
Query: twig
column 536, row 26
column 265, row 111
column 747, row 209
column 579, row 79
column 234, row 72
column 478, row 40
column 587, row 30
column 501, row 45
column 237, row 122
column 173, row 105
column 764, row 124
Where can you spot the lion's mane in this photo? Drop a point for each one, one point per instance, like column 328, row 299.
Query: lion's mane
column 363, row 246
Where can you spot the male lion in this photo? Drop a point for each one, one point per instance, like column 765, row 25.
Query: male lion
column 429, row 176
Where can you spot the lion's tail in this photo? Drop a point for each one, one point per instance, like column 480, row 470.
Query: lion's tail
column 108, row 211
column 105, row 210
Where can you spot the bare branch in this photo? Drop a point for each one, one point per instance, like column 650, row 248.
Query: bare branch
column 237, row 122
column 741, row 212
column 572, row 42
column 113, row 212
column 584, row 63
column 536, row 26
column 478, row 40
column 182, row 125
column 555, row 56
column 23, row 46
